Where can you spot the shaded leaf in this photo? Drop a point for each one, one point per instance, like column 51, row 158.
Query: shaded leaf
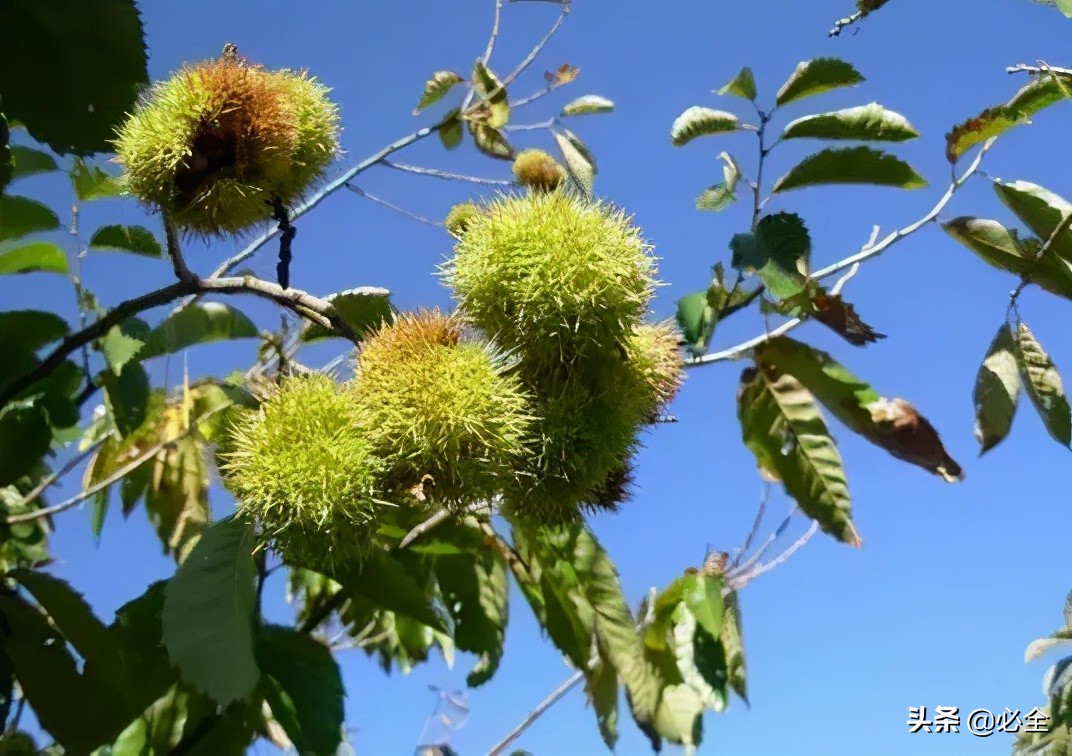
column 26, row 161
column 123, row 342
column 997, row 391
column 25, row 437
column 90, row 182
column 892, row 424
column 30, row 329
column 493, row 93
column 741, row 85
column 850, row 165
column 88, row 55
column 34, row 257
column 778, row 250
column 20, row 216
column 866, row 122
column 581, row 171
column 198, row 323
column 588, row 104
column 782, row 426
column 698, row 121
column 6, row 168
column 490, row 141
column 815, row 76
column 127, row 394
column 719, row 196
column 832, row 311
column 602, row 689
column 209, row 613
column 365, row 309
column 732, row 639
column 438, row 85
column 384, row 580
column 450, row 134
column 696, row 319
column 1045, row 213
column 134, row 239
column 309, row 686
column 1043, row 385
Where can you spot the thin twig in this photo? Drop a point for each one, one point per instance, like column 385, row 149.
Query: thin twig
column 174, row 250
column 537, row 94
column 528, row 59
column 866, row 253
column 437, row 518
column 549, row 123
column 742, row 580
column 436, row 173
column 379, row 201
column 1024, row 68
column 496, row 25
column 760, row 511
column 49, row 480
column 114, row 477
column 233, row 262
column 553, row 697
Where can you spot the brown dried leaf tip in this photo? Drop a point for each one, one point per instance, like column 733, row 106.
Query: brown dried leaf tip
column 909, row 436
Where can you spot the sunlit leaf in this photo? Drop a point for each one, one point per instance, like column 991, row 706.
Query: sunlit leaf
column 127, row 394
column 490, row 141
column 364, row 309
column 123, row 342
column 850, row 165
column 602, row 689
column 865, row 122
column 721, row 195
column 209, row 613
column 997, row 391
column 815, row 76
column 33, row 257
column 198, row 323
column 136, row 239
column 892, row 424
column 436, row 87
column 588, row 104
column 20, row 216
column 1045, row 213
column 679, row 716
column 698, row 121
column 91, row 183
column 1037, row 648
column 696, row 319
column 783, row 427
column 732, row 639
column 581, row 171
column 71, row 70
column 741, row 85
column 1043, row 385
column 494, row 94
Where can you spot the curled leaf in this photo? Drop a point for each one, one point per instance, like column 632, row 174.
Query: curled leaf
column 697, row 121
column 436, row 87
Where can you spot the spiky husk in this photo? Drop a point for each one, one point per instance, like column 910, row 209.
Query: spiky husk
column 220, row 140
column 655, row 357
column 554, row 276
column 303, row 467
column 459, row 218
column 538, row 170
column 441, row 409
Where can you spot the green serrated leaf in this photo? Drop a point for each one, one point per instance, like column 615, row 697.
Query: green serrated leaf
column 385, row 580
column 88, row 55
column 365, row 309
column 721, row 195
column 136, row 239
column 865, row 122
column 696, row 319
column 679, row 717
column 436, row 87
column 1044, row 212
column 850, row 165
column 90, row 182
column 697, row 121
column 741, row 85
column 588, row 105
column 198, row 323
column 892, row 424
column 26, row 161
column 1065, row 6
column 20, row 216
column 783, row 427
column 1043, row 385
column 815, row 76
column 123, row 342
column 490, row 141
column 493, row 93
column 34, row 257
column 309, row 687
column 602, row 689
column 30, row 329
column 209, row 613
column 997, row 391
column 778, row 250
column 732, row 639
column 127, row 394
column 475, row 591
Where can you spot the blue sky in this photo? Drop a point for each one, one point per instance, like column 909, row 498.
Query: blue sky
column 952, row 582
